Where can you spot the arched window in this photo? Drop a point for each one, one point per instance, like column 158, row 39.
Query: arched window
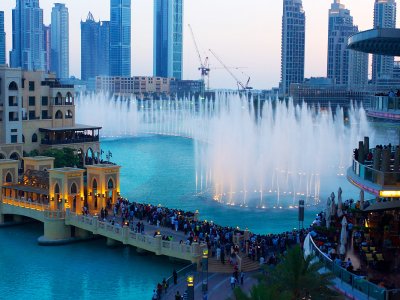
column 74, row 188
column 94, row 184
column 58, row 99
column 14, row 156
column 23, row 138
column 110, row 184
column 69, row 99
column 9, row 177
column 34, row 138
column 59, row 114
column 2, row 156
column 68, row 114
column 13, row 86
column 56, row 189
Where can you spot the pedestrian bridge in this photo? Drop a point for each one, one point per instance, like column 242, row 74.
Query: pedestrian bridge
column 58, row 224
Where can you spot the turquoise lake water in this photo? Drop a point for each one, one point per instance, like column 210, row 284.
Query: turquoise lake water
column 155, row 169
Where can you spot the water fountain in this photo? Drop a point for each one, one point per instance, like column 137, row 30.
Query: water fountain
column 244, row 155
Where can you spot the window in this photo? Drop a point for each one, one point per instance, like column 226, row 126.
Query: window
column 14, row 130
column 45, row 100
column 8, row 177
column 34, row 138
column 31, row 85
column 45, row 114
column 59, row 114
column 13, row 86
column 14, row 138
column 32, row 115
column 32, row 101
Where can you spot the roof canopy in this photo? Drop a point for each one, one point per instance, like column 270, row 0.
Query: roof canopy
column 77, row 127
column 383, row 41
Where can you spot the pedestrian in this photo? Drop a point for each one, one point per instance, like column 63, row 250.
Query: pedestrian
column 233, row 282
column 175, row 275
column 241, row 278
column 155, row 296
column 205, row 296
column 178, row 296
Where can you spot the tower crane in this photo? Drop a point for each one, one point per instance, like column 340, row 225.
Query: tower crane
column 241, row 85
column 204, row 65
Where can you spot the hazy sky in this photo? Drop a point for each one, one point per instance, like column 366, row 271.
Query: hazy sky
column 244, row 33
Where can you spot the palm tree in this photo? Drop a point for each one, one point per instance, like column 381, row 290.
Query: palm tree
column 295, row 277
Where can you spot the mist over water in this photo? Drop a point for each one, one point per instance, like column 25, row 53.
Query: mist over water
column 247, row 153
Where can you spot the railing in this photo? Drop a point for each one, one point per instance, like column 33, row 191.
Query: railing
column 25, row 204
column 386, row 103
column 54, row 214
column 356, row 282
column 368, row 173
column 190, row 269
column 70, row 141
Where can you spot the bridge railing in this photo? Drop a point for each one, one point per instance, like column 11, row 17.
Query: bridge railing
column 355, row 281
column 24, row 203
column 54, row 214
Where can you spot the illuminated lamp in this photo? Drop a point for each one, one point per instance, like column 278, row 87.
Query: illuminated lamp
column 389, row 194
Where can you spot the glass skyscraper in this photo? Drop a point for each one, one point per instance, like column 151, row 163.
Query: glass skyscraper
column 27, row 36
column 60, row 41
column 293, row 44
column 120, row 38
column 95, row 48
column 47, row 47
column 339, row 29
column 168, row 49
column 384, row 17
column 2, row 40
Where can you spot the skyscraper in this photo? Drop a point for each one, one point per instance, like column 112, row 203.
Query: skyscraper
column 60, row 40
column 358, row 69
column 384, row 17
column 339, row 29
column 120, row 38
column 2, row 40
column 293, row 43
column 27, row 36
column 95, row 48
column 47, row 47
column 168, row 50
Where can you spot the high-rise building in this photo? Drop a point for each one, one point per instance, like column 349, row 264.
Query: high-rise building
column 47, row 47
column 89, row 47
column 293, row 43
column 95, row 48
column 120, row 38
column 384, row 17
column 339, row 29
column 2, row 40
column 358, row 69
column 27, row 36
column 60, row 40
column 104, row 49
column 168, row 49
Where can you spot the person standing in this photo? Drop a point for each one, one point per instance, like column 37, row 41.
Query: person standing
column 178, row 296
column 241, row 278
column 233, row 282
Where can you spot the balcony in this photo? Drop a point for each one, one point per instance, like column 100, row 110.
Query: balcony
column 385, row 107
column 86, row 139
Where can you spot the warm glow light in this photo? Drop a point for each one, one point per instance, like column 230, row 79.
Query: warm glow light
column 205, row 253
column 390, row 194
column 190, row 280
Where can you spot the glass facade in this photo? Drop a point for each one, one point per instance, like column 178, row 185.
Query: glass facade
column 120, row 38
column 384, row 17
column 2, row 40
column 293, row 43
column 168, row 37
column 60, row 41
column 95, row 48
column 27, row 36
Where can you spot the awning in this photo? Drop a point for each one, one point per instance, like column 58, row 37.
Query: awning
column 387, row 205
column 27, row 188
column 77, row 127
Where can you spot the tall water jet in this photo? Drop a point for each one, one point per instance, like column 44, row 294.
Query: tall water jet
column 266, row 155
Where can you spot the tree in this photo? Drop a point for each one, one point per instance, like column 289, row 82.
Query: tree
column 65, row 157
column 295, row 277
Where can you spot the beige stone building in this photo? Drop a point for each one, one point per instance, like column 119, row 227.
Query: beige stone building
column 37, row 113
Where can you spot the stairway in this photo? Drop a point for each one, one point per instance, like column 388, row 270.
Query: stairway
column 215, row 266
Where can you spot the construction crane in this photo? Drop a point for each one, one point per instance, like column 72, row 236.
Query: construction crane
column 204, row 65
column 241, row 85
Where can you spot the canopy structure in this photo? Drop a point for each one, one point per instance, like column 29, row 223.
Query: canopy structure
column 383, row 41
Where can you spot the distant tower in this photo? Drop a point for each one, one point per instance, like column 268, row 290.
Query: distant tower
column 27, row 35
column 293, row 43
column 60, row 40
column 120, row 38
column 384, row 17
column 339, row 29
column 47, row 47
column 104, row 49
column 2, row 40
column 168, row 36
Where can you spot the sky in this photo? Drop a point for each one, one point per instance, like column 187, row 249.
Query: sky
column 244, row 33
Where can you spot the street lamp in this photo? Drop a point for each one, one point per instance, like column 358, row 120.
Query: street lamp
column 204, row 270
column 190, row 287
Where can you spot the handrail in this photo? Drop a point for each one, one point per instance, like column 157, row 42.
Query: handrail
column 363, row 286
column 24, row 203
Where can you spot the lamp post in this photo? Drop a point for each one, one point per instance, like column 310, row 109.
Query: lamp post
column 190, row 287
column 204, row 270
